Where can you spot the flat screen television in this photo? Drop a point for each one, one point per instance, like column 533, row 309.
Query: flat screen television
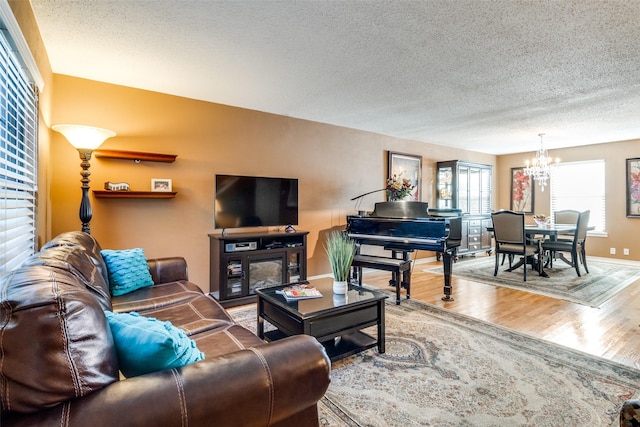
column 251, row 201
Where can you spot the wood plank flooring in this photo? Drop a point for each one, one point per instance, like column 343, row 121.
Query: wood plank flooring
column 611, row 331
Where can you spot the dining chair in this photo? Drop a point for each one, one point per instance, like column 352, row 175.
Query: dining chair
column 566, row 216
column 511, row 240
column 575, row 246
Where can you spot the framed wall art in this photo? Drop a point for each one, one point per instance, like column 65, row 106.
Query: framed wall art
column 406, row 166
column 522, row 194
column 633, row 188
column 160, row 184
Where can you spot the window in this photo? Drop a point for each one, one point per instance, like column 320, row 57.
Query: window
column 18, row 160
column 580, row 186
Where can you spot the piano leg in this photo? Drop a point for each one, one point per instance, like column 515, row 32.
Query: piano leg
column 446, row 260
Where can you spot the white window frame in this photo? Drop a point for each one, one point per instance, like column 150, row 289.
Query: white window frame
column 19, row 78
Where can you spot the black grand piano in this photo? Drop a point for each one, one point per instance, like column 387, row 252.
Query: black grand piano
column 405, row 226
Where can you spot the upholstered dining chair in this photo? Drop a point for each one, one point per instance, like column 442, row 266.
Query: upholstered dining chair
column 566, row 216
column 511, row 240
column 575, row 246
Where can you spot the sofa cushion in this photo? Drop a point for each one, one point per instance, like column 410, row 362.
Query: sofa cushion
column 127, row 270
column 145, row 344
column 158, row 295
column 226, row 340
column 197, row 314
column 55, row 342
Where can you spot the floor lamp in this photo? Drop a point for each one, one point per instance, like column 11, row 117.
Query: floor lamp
column 85, row 139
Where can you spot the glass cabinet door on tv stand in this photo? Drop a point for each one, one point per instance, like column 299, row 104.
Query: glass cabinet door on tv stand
column 242, row 262
column 467, row 186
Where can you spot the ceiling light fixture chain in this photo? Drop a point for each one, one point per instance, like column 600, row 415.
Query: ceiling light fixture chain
column 539, row 168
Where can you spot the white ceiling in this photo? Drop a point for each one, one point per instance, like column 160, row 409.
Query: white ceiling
column 484, row 75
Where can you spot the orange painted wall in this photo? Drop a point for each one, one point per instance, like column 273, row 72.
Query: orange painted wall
column 332, row 163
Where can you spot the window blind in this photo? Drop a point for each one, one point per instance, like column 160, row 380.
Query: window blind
column 580, row 186
column 18, row 161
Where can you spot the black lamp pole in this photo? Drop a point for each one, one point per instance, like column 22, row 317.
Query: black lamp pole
column 85, row 204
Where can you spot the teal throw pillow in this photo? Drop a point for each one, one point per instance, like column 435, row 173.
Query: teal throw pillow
column 144, row 344
column 127, row 270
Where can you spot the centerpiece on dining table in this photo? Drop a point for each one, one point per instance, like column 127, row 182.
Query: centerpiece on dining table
column 541, row 219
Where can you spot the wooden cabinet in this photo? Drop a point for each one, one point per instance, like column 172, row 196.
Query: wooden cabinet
column 242, row 262
column 467, row 186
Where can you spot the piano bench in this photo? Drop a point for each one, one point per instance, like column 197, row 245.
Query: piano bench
column 395, row 266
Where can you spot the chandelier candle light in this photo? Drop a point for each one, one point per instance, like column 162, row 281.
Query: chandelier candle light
column 85, row 139
column 539, row 168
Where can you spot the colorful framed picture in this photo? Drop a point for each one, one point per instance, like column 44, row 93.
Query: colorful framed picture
column 158, row 184
column 522, row 194
column 406, row 166
column 633, row 188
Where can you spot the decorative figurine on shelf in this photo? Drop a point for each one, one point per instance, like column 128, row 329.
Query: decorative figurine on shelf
column 116, row 186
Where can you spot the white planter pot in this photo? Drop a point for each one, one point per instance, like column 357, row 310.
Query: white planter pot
column 340, row 288
column 339, row 299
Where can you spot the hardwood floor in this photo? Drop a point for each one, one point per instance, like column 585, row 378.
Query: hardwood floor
column 611, row 331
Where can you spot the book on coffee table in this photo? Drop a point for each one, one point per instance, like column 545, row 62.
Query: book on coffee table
column 299, row 292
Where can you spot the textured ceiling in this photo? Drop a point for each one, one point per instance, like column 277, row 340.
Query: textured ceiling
column 485, row 75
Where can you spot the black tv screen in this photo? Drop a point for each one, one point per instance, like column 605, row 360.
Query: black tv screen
column 250, row 201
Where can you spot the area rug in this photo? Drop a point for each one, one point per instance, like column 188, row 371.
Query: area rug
column 605, row 278
column 445, row 369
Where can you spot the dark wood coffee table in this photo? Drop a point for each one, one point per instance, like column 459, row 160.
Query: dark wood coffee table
column 335, row 320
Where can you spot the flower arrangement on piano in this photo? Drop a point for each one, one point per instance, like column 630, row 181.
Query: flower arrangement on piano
column 398, row 188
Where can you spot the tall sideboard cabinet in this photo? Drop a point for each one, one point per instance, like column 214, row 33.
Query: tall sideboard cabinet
column 467, row 186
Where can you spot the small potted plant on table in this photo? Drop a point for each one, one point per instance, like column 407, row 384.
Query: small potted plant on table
column 340, row 249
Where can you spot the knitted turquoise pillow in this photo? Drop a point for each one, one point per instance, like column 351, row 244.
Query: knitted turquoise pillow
column 144, row 344
column 127, row 270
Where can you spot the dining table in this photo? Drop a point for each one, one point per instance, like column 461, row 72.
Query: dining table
column 550, row 231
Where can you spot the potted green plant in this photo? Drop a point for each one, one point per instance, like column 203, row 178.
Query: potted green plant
column 340, row 249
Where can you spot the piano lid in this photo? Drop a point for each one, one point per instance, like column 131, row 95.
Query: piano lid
column 401, row 209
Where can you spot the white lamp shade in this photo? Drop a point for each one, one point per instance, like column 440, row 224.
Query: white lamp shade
column 84, row 137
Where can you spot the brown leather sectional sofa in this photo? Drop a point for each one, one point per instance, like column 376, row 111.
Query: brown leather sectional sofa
column 58, row 365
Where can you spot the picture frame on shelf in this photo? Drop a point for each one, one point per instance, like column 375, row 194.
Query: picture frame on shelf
column 633, row 187
column 522, row 191
column 407, row 166
column 161, row 184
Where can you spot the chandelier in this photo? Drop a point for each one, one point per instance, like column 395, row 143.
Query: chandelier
column 539, row 168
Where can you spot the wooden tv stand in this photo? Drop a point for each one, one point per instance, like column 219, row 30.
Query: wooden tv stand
column 241, row 262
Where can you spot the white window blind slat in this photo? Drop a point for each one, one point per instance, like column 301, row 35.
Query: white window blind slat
column 16, row 257
column 16, row 240
column 20, row 227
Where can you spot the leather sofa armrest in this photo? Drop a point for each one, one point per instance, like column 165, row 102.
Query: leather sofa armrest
column 259, row 386
column 165, row 270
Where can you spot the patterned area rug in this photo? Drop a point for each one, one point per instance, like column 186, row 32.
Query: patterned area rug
column 446, row 369
column 605, row 278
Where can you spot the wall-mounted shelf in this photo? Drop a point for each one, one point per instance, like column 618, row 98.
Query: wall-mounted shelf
column 136, row 156
column 106, row 194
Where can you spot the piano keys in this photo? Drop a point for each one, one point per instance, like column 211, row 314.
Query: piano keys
column 404, row 226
